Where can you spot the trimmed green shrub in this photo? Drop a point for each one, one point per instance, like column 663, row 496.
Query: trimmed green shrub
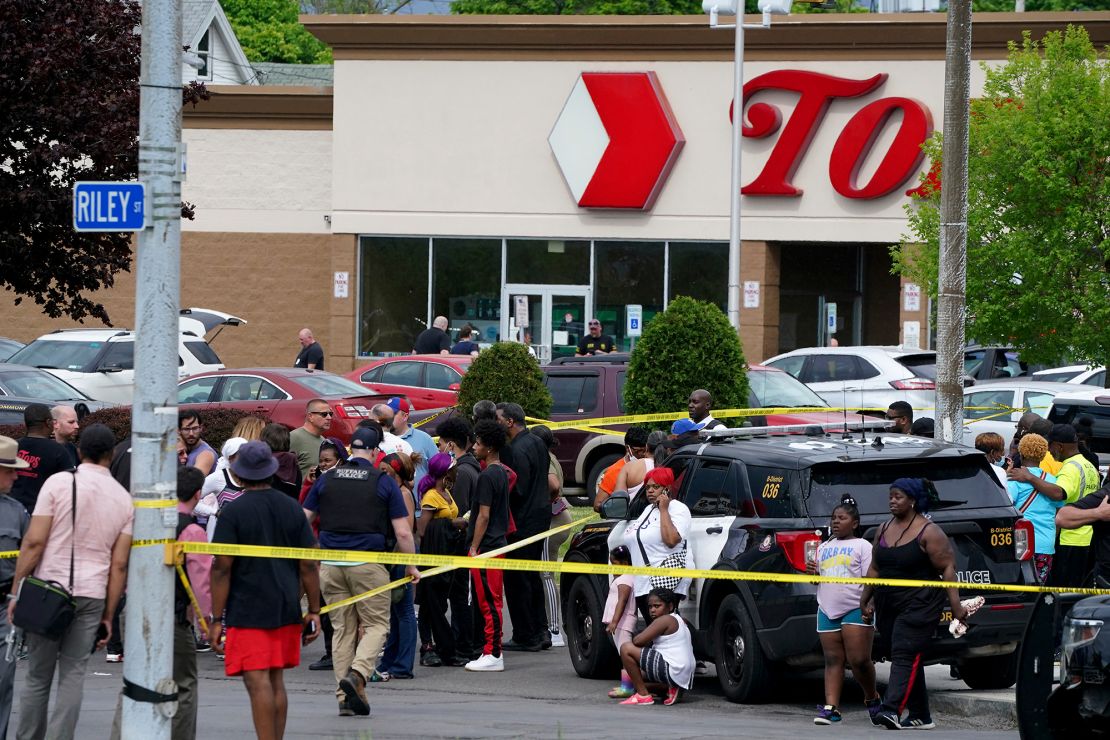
column 691, row 345
column 506, row 373
column 218, row 423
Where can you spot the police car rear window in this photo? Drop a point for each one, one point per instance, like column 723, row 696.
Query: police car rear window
column 961, row 483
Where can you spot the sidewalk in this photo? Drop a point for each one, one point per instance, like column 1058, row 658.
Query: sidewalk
column 952, row 696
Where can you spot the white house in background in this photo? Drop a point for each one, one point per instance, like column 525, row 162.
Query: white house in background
column 207, row 32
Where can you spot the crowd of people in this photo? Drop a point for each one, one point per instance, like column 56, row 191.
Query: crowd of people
column 488, row 481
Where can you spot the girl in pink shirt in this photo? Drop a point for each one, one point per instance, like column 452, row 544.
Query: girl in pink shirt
column 620, row 615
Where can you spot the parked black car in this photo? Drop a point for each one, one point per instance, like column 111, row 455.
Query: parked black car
column 762, row 503
column 1080, row 705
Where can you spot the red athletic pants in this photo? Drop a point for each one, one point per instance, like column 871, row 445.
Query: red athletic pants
column 488, row 589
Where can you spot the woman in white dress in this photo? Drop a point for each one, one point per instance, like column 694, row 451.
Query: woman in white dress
column 659, row 533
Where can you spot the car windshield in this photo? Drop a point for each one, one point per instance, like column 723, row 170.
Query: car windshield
column 331, row 386
column 58, row 354
column 1059, row 376
column 960, row 482
column 39, row 384
column 775, row 389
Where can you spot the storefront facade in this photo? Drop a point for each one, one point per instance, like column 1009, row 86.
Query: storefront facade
column 579, row 162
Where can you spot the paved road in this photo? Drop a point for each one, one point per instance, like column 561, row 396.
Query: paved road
column 538, row 696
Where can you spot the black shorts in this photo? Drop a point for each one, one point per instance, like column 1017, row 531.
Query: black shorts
column 654, row 668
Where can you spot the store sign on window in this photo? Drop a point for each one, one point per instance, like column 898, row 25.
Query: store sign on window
column 616, row 138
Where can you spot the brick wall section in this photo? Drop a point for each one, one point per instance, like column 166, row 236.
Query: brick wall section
column 279, row 283
column 759, row 327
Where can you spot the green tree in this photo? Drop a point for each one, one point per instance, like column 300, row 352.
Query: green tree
column 1038, row 254
column 577, row 7
column 690, row 345
column 506, row 373
column 268, row 31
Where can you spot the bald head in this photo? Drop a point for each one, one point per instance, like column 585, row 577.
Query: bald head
column 383, row 414
column 304, row 336
column 440, row 323
column 1025, row 423
column 65, row 424
column 699, row 404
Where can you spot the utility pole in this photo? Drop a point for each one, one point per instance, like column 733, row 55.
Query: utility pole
column 952, row 275
column 149, row 690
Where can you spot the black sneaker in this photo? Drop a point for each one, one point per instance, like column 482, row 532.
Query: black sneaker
column 323, row 664
column 918, row 723
column 522, row 647
column 874, row 706
column 545, row 641
column 431, row 659
column 889, row 720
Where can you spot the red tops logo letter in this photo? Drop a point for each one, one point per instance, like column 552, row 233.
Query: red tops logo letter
column 816, row 91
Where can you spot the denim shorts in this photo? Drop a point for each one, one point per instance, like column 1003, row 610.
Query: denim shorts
column 854, row 618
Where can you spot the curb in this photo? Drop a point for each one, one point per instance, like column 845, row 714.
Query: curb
column 994, row 710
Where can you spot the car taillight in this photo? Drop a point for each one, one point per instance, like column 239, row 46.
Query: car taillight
column 1024, row 539
column 799, row 547
column 914, row 384
column 352, row 411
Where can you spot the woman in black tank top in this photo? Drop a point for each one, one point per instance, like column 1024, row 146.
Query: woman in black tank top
column 909, row 546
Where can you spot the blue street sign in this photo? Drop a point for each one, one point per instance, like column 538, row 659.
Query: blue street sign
column 109, row 206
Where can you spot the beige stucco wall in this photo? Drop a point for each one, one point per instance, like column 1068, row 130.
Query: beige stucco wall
column 460, row 148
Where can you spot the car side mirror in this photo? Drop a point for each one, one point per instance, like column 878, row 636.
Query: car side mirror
column 110, row 368
column 968, row 381
column 454, row 387
column 616, row 506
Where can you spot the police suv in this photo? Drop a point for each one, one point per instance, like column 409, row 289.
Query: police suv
column 761, row 499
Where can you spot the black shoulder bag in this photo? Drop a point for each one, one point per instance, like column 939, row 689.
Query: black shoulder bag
column 44, row 607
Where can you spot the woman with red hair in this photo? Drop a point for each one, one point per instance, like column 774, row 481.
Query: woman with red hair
column 658, row 536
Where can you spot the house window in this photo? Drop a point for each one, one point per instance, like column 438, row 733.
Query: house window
column 202, row 52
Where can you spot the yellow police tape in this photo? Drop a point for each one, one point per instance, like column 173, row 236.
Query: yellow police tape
column 590, row 425
column 154, row 503
column 192, row 599
column 545, row 566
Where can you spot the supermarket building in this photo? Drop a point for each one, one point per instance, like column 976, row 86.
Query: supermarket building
column 460, row 162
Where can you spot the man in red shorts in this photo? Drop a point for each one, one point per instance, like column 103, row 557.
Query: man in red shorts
column 262, row 596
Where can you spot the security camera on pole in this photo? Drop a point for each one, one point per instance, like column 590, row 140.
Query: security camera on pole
column 716, row 8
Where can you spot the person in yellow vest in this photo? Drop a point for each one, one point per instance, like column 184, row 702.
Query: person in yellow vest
column 1075, row 479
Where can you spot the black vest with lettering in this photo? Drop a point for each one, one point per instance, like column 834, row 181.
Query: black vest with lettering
column 349, row 502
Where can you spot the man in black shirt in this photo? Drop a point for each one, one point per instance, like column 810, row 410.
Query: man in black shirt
column 489, row 523
column 311, row 355
column 262, row 596
column 1093, row 509
column 42, row 454
column 434, row 339
column 595, row 343
column 531, row 507
column 455, row 438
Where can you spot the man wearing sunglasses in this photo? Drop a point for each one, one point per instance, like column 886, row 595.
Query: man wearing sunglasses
column 305, row 441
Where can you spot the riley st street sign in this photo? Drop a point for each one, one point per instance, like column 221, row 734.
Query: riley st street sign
column 109, row 206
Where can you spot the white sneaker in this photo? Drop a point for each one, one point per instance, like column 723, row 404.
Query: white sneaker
column 114, row 657
column 486, row 663
column 557, row 640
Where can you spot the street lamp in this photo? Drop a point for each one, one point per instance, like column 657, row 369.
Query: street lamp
column 729, row 7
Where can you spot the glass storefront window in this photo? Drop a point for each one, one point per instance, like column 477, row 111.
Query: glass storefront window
column 699, row 270
column 548, row 261
column 393, row 293
column 466, row 285
column 626, row 273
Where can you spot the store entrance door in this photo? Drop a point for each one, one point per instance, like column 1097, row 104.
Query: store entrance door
column 552, row 318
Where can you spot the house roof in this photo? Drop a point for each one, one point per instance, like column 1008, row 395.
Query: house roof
column 305, row 75
column 197, row 16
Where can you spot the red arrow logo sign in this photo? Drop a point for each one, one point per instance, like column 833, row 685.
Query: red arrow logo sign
column 616, row 140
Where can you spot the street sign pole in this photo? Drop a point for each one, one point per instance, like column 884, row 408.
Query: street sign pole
column 149, row 635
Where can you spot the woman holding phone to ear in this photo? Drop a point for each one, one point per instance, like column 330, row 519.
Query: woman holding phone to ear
column 659, row 533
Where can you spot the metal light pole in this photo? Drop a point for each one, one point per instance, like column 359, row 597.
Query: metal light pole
column 729, row 7
column 148, row 671
column 952, row 273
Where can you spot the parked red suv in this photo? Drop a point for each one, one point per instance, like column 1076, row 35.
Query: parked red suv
column 593, row 387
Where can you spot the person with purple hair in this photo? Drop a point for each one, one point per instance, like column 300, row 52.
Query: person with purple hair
column 438, row 536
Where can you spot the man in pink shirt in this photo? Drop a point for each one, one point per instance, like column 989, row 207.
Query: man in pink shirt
column 98, row 535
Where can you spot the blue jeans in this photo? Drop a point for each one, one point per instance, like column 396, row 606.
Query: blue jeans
column 400, row 648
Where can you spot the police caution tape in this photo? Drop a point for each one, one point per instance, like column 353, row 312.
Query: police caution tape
column 600, row 569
